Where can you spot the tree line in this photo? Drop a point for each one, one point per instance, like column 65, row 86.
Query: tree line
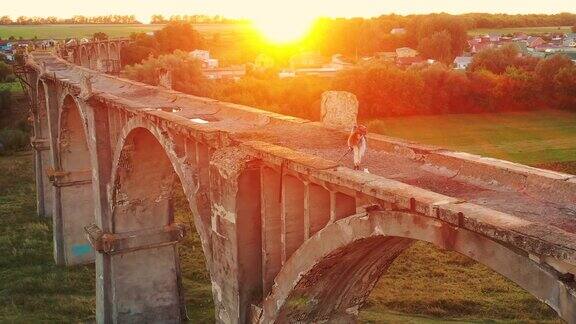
column 498, row 80
column 482, row 20
column 109, row 19
column 194, row 19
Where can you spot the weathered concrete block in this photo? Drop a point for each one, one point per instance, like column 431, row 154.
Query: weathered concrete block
column 339, row 109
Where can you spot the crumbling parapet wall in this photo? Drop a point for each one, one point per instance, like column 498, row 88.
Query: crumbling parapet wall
column 483, row 171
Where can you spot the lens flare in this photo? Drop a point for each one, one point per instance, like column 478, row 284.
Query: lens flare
column 283, row 29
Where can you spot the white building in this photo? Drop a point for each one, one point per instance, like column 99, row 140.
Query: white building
column 398, row 31
column 462, row 62
column 204, row 57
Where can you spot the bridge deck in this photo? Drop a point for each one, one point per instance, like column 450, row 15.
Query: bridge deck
column 430, row 168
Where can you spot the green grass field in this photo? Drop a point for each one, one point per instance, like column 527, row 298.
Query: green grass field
column 13, row 87
column 527, row 30
column 525, row 137
column 72, row 31
column 424, row 285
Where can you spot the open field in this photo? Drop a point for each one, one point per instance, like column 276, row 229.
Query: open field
column 72, row 31
column 527, row 30
column 525, row 137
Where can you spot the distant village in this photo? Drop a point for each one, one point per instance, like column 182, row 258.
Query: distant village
column 313, row 63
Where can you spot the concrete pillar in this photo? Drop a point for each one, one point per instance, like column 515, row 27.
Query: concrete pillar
column 37, row 133
column 44, row 188
column 341, row 206
column 236, row 240
column 317, row 208
column 53, row 99
column 77, row 211
column 99, row 126
column 137, row 267
column 42, row 150
column 292, row 214
column 72, row 179
column 271, row 227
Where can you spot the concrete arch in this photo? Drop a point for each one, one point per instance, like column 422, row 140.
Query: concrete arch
column 114, row 51
column 330, row 276
column 146, row 165
column 72, row 177
column 84, row 56
column 42, row 109
column 93, row 55
column 190, row 168
column 42, row 148
column 103, row 51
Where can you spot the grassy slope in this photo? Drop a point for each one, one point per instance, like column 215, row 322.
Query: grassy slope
column 525, row 137
column 32, row 288
column 527, row 30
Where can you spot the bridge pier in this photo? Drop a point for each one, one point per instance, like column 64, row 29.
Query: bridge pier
column 72, row 180
column 236, row 234
column 137, row 263
column 42, row 151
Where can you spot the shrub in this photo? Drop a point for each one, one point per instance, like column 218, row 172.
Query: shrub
column 5, row 102
column 5, row 71
column 13, row 140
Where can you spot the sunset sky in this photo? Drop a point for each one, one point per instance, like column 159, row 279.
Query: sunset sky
column 296, row 9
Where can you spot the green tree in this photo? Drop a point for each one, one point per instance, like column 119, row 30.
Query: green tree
column 437, row 46
column 186, row 72
column 157, row 19
column 430, row 25
column 546, row 72
column 177, row 35
column 565, row 82
column 100, row 36
column 495, row 60
column 5, row 71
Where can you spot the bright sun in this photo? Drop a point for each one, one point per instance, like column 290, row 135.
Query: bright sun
column 283, row 28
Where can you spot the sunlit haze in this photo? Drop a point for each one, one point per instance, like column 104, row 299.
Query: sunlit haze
column 285, row 10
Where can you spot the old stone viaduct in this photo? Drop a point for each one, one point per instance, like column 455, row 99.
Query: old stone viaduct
column 103, row 56
column 289, row 234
